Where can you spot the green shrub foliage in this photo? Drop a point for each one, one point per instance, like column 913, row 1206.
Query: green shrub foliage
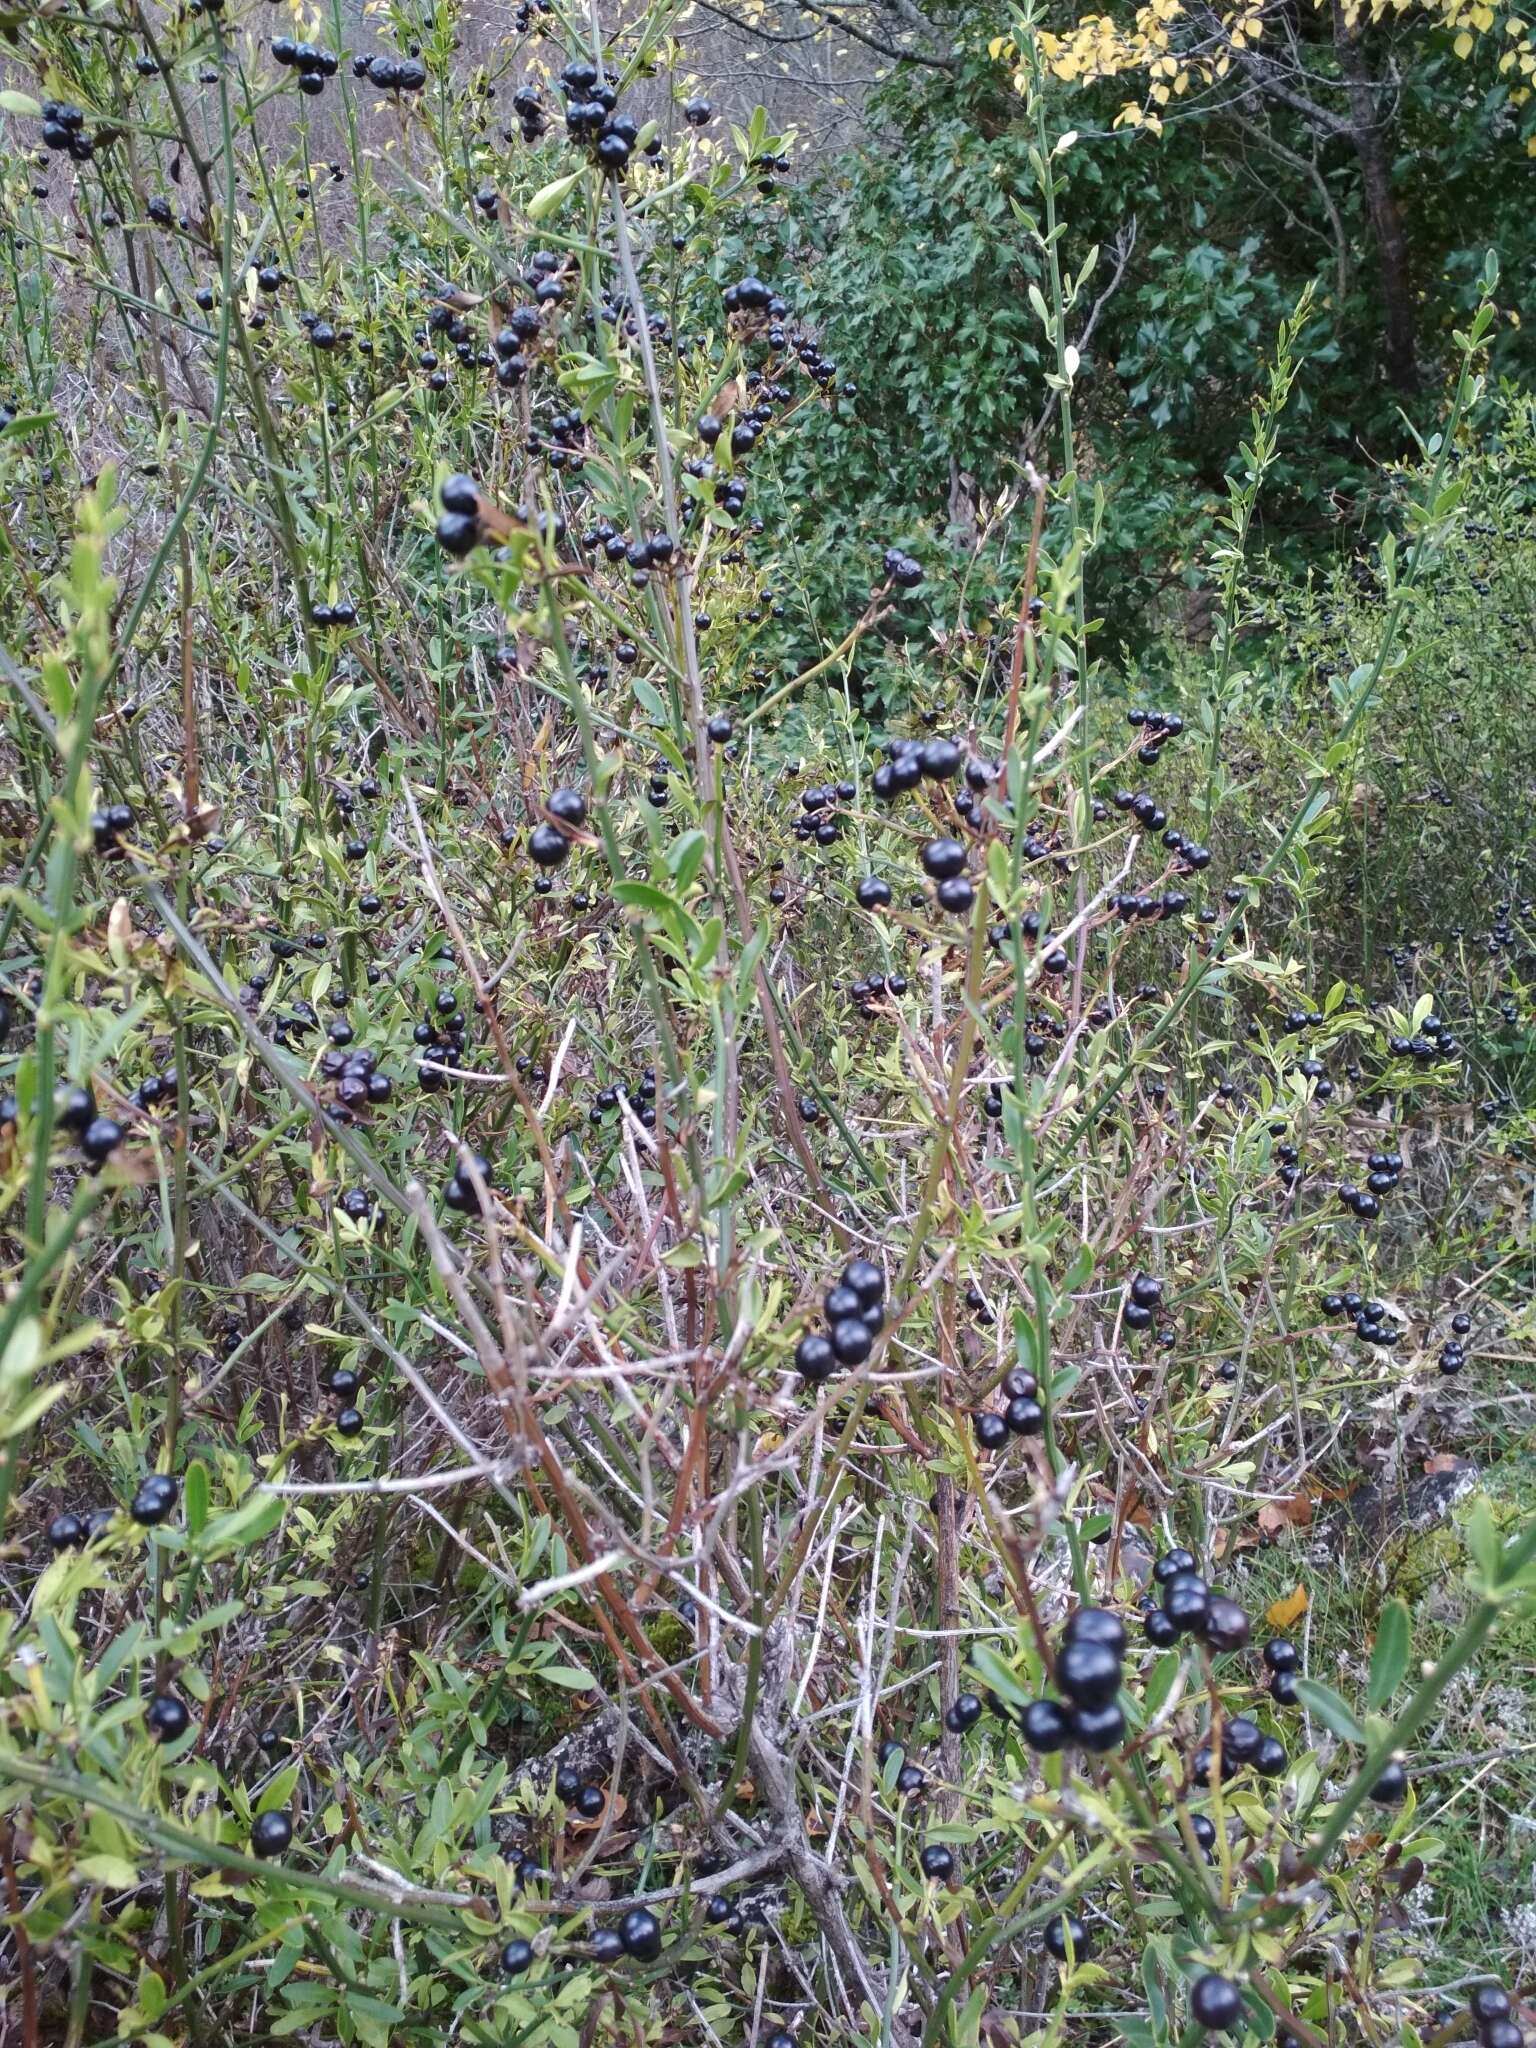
column 737, row 1286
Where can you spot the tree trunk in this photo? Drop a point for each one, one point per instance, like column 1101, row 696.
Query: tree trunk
column 1368, row 134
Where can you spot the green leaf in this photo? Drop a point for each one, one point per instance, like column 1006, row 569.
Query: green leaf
column 22, row 1353
column 150, row 1994
column 1389, row 1660
column 685, row 857
column 21, row 1419
column 280, row 1791
column 1483, row 1541
column 255, row 1517
column 571, row 1676
column 999, row 874
column 21, row 103
column 993, row 1672
column 1330, row 1709
column 195, row 1494
column 549, row 198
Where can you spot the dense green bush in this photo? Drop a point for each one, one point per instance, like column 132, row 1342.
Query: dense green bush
column 919, row 275
column 472, row 986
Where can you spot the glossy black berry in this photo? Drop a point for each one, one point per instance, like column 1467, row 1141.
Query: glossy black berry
column 1098, row 1728
column 547, row 846
column 991, row 1431
column 1215, row 2003
column 943, row 858
column 271, row 1833
column 1185, row 1601
column 1088, row 1673
column 1391, row 1788
column 1066, row 1935
column 66, row 1532
column 166, row 1718
column 1046, row 1726
column 1225, row 1626
column 640, row 1934
column 937, row 1861
column 1171, row 1564
column 1489, row 2002
column 154, row 1500
column 815, row 1359
column 1097, row 1625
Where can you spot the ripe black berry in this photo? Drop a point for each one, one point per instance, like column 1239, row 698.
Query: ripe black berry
column 640, row 1934
column 1392, row 1786
column 154, row 1499
column 166, row 1718
column 1065, row 1933
column 942, row 858
column 271, row 1833
column 1215, row 2003
column 66, row 1532
column 1046, row 1726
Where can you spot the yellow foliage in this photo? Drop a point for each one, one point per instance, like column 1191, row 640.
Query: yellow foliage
column 1099, row 47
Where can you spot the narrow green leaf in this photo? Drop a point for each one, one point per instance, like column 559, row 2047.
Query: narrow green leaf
column 1330, row 1709
column 549, row 198
column 1389, row 1660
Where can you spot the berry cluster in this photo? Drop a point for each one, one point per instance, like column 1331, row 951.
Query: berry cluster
column 1088, row 1677
column 855, row 1315
column 638, row 1934
column 1022, row 1414
column 550, row 842
column 592, row 118
column 390, row 74
column 314, row 65
column 440, row 1036
column 1493, row 2016
column 355, row 1075
column 98, row 1136
column 461, row 1193
column 1434, row 1040
column 529, row 109
column 510, row 343
column 458, row 530
column 1369, row 1317
column 905, row 571
column 909, row 761
column 108, row 826
column 343, row 1384
column 1144, row 1297
column 641, row 1099
column 1189, row 1607
column 1453, row 1355
column 1158, row 726
column 866, row 992
column 64, row 129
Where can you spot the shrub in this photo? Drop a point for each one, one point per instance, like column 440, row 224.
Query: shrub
column 644, row 1349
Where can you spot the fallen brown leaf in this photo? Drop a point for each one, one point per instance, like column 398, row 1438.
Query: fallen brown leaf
column 1286, row 1612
